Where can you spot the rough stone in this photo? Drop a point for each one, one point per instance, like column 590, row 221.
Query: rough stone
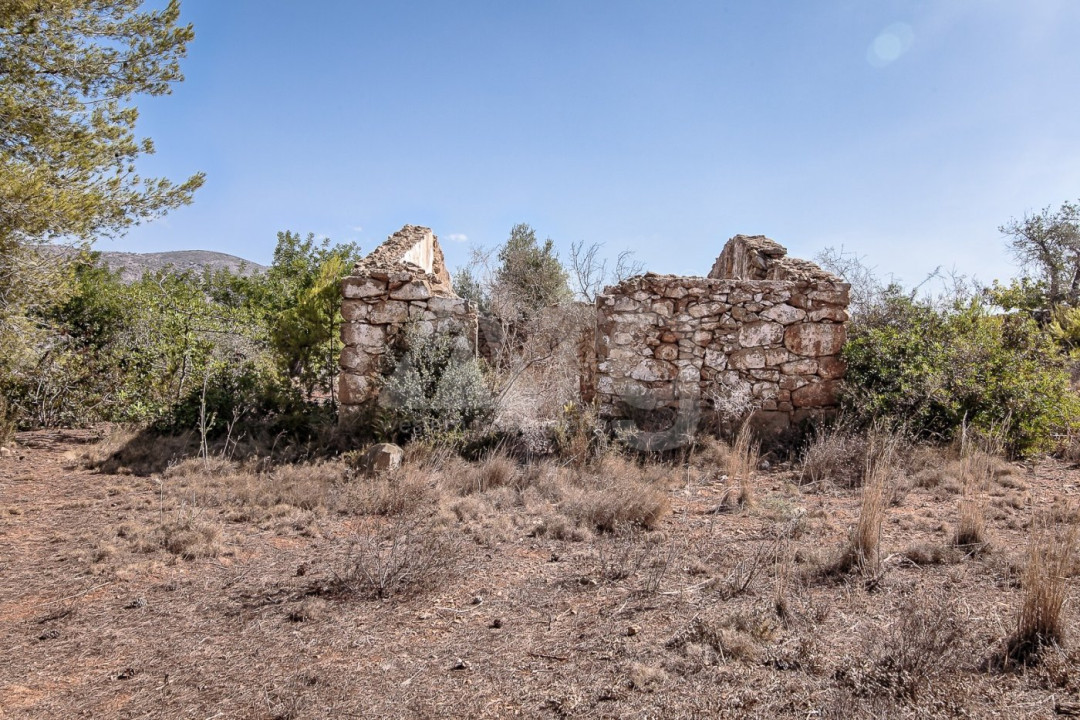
column 832, row 367
column 819, row 394
column 412, row 290
column 784, row 314
column 814, row 340
column 383, row 458
column 757, row 334
column 356, row 287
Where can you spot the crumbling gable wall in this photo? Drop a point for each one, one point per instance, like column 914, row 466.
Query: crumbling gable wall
column 403, row 281
column 761, row 326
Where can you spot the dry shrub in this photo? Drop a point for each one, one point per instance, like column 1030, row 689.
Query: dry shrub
column 621, row 503
column 1041, row 621
column 712, row 454
column 647, row 678
column 402, row 492
column 495, row 471
column 560, row 527
column 189, row 538
column 724, row 641
column 312, row 486
column 906, row 659
column 409, row 557
column 836, row 454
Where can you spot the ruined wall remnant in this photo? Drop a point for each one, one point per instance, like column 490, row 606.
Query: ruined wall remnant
column 762, row 332
column 403, row 281
column 761, row 326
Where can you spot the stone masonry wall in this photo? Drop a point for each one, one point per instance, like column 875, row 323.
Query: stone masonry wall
column 402, row 281
column 761, row 326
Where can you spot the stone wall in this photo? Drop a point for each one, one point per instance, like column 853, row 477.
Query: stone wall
column 761, row 326
column 404, row 281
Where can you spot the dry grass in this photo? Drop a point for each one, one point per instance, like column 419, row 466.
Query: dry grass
column 740, row 463
column 1040, row 621
column 863, row 548
column 837, row 454
column 979, row 465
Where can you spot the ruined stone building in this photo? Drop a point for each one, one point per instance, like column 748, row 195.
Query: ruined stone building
column 761, row 329
column 403, row 280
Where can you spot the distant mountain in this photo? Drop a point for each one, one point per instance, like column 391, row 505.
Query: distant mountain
column 132, row 266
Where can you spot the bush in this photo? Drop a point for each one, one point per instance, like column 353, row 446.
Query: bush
column 436, row 388
column 934, row 368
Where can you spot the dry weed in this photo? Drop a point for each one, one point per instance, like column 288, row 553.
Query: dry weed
column 620, row 503
column 409, row 557
column 862, row 551
column 742, row 463
column 1040, row 620
column 837, row 454
column 906, row 659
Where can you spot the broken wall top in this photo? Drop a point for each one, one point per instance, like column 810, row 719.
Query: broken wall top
column 756, row 257
column 413, row 249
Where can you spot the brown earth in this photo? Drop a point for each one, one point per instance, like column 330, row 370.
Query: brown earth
column 722, row 610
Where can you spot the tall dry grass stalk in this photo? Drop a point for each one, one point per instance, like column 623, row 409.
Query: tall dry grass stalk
column 863, row 551
column 978, row 461
column 742, row 461
column 1040, row 621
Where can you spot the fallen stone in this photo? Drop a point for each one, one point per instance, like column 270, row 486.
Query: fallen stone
column 383, row 458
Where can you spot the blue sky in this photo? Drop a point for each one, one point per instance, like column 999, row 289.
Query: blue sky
column 905, row 132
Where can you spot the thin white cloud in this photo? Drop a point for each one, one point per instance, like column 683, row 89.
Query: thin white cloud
column 357, row 228
column 458, row 237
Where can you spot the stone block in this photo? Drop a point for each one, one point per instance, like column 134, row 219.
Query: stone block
column 383, row 458
column 716, row 359
column 412, row 290
column 649, row 370
column 354, row 310
column 819, row 394
column 363, row 335
column 362, row 287
column 832, row 367
column 354, row 389
column 448, row 305
column 830, row 313
column 757, row 334
column 667, row 352
column 784, row 314
column 802, row 366
column 810, row 340
column 747, row 359
column 704, row 309
column 389, row 312
column 778, row 356
column 356, row 360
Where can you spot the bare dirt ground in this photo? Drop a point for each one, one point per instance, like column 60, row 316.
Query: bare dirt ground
column 183, row 595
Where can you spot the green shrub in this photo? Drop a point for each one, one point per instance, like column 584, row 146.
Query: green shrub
column 437, row 388
column 932, row 368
